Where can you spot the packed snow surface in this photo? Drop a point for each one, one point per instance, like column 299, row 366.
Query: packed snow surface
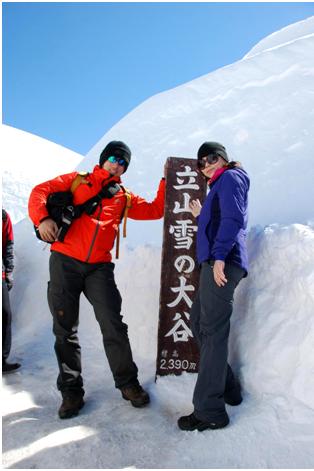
column 280, row 38
column 271, row 346
column 272, row 333
column 261, row 108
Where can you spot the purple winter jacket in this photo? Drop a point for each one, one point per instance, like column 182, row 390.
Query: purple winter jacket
column 222, row 223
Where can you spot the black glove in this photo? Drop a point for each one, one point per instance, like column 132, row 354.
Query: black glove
column 9, row 280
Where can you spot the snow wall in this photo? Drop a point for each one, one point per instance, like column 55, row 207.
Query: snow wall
column 272, row 334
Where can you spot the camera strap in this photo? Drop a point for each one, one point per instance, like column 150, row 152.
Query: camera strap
column 124, row 216
column 108, row 191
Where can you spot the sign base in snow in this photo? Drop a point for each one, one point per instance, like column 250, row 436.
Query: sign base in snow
column 177, row 349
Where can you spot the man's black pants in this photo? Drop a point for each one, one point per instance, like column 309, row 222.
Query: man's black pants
column 210, row 321
column 68, row 279
column 6, row 322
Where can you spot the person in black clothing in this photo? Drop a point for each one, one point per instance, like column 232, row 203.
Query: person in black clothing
column 7, row 283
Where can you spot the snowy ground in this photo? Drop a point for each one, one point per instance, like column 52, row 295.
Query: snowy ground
column 271, row 348
column 265, row 432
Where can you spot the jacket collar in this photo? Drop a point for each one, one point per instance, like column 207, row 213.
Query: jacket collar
column 103, row 176
column 217, row 174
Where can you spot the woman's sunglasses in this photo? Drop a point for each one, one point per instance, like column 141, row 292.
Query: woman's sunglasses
column 210, row 159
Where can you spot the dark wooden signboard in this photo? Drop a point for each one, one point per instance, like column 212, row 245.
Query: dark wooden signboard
column 177, row 350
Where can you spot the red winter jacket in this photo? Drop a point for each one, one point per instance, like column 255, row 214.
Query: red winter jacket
column 91, row 238
column 7, row 246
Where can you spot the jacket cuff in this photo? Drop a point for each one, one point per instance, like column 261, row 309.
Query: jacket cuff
column 44, row 218
column 219, row 256
column 43, row 214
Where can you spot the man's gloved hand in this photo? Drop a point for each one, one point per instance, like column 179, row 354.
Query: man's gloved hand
column 9, row 280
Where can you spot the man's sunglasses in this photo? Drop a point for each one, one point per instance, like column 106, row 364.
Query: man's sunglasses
column 210, row 159
column 112, row 159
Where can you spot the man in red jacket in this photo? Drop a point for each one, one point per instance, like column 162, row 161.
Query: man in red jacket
column 82, row 263
column 7, row 283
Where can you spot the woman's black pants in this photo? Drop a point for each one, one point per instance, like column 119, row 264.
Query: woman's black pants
column 210, row 320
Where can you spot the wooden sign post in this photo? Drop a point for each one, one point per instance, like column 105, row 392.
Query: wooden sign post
column 177, row 350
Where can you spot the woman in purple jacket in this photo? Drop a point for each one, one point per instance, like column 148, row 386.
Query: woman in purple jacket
column 222, row 255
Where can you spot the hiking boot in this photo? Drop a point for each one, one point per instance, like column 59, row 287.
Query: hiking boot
column 10, row 367
column 70, row 406
column 136, row 394
column 233, row 397
column 190, row 423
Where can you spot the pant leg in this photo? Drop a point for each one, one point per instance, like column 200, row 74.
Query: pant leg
column 64, row 289
column 6, row 322
column 196, row 329
column 216, row 309
column 102, row 293
column 195, row 316
column 230, row 379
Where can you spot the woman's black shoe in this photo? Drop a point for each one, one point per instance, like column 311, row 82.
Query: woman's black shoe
column 190, row 422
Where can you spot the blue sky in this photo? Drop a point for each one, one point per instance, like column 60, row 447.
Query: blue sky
column 73, row 70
